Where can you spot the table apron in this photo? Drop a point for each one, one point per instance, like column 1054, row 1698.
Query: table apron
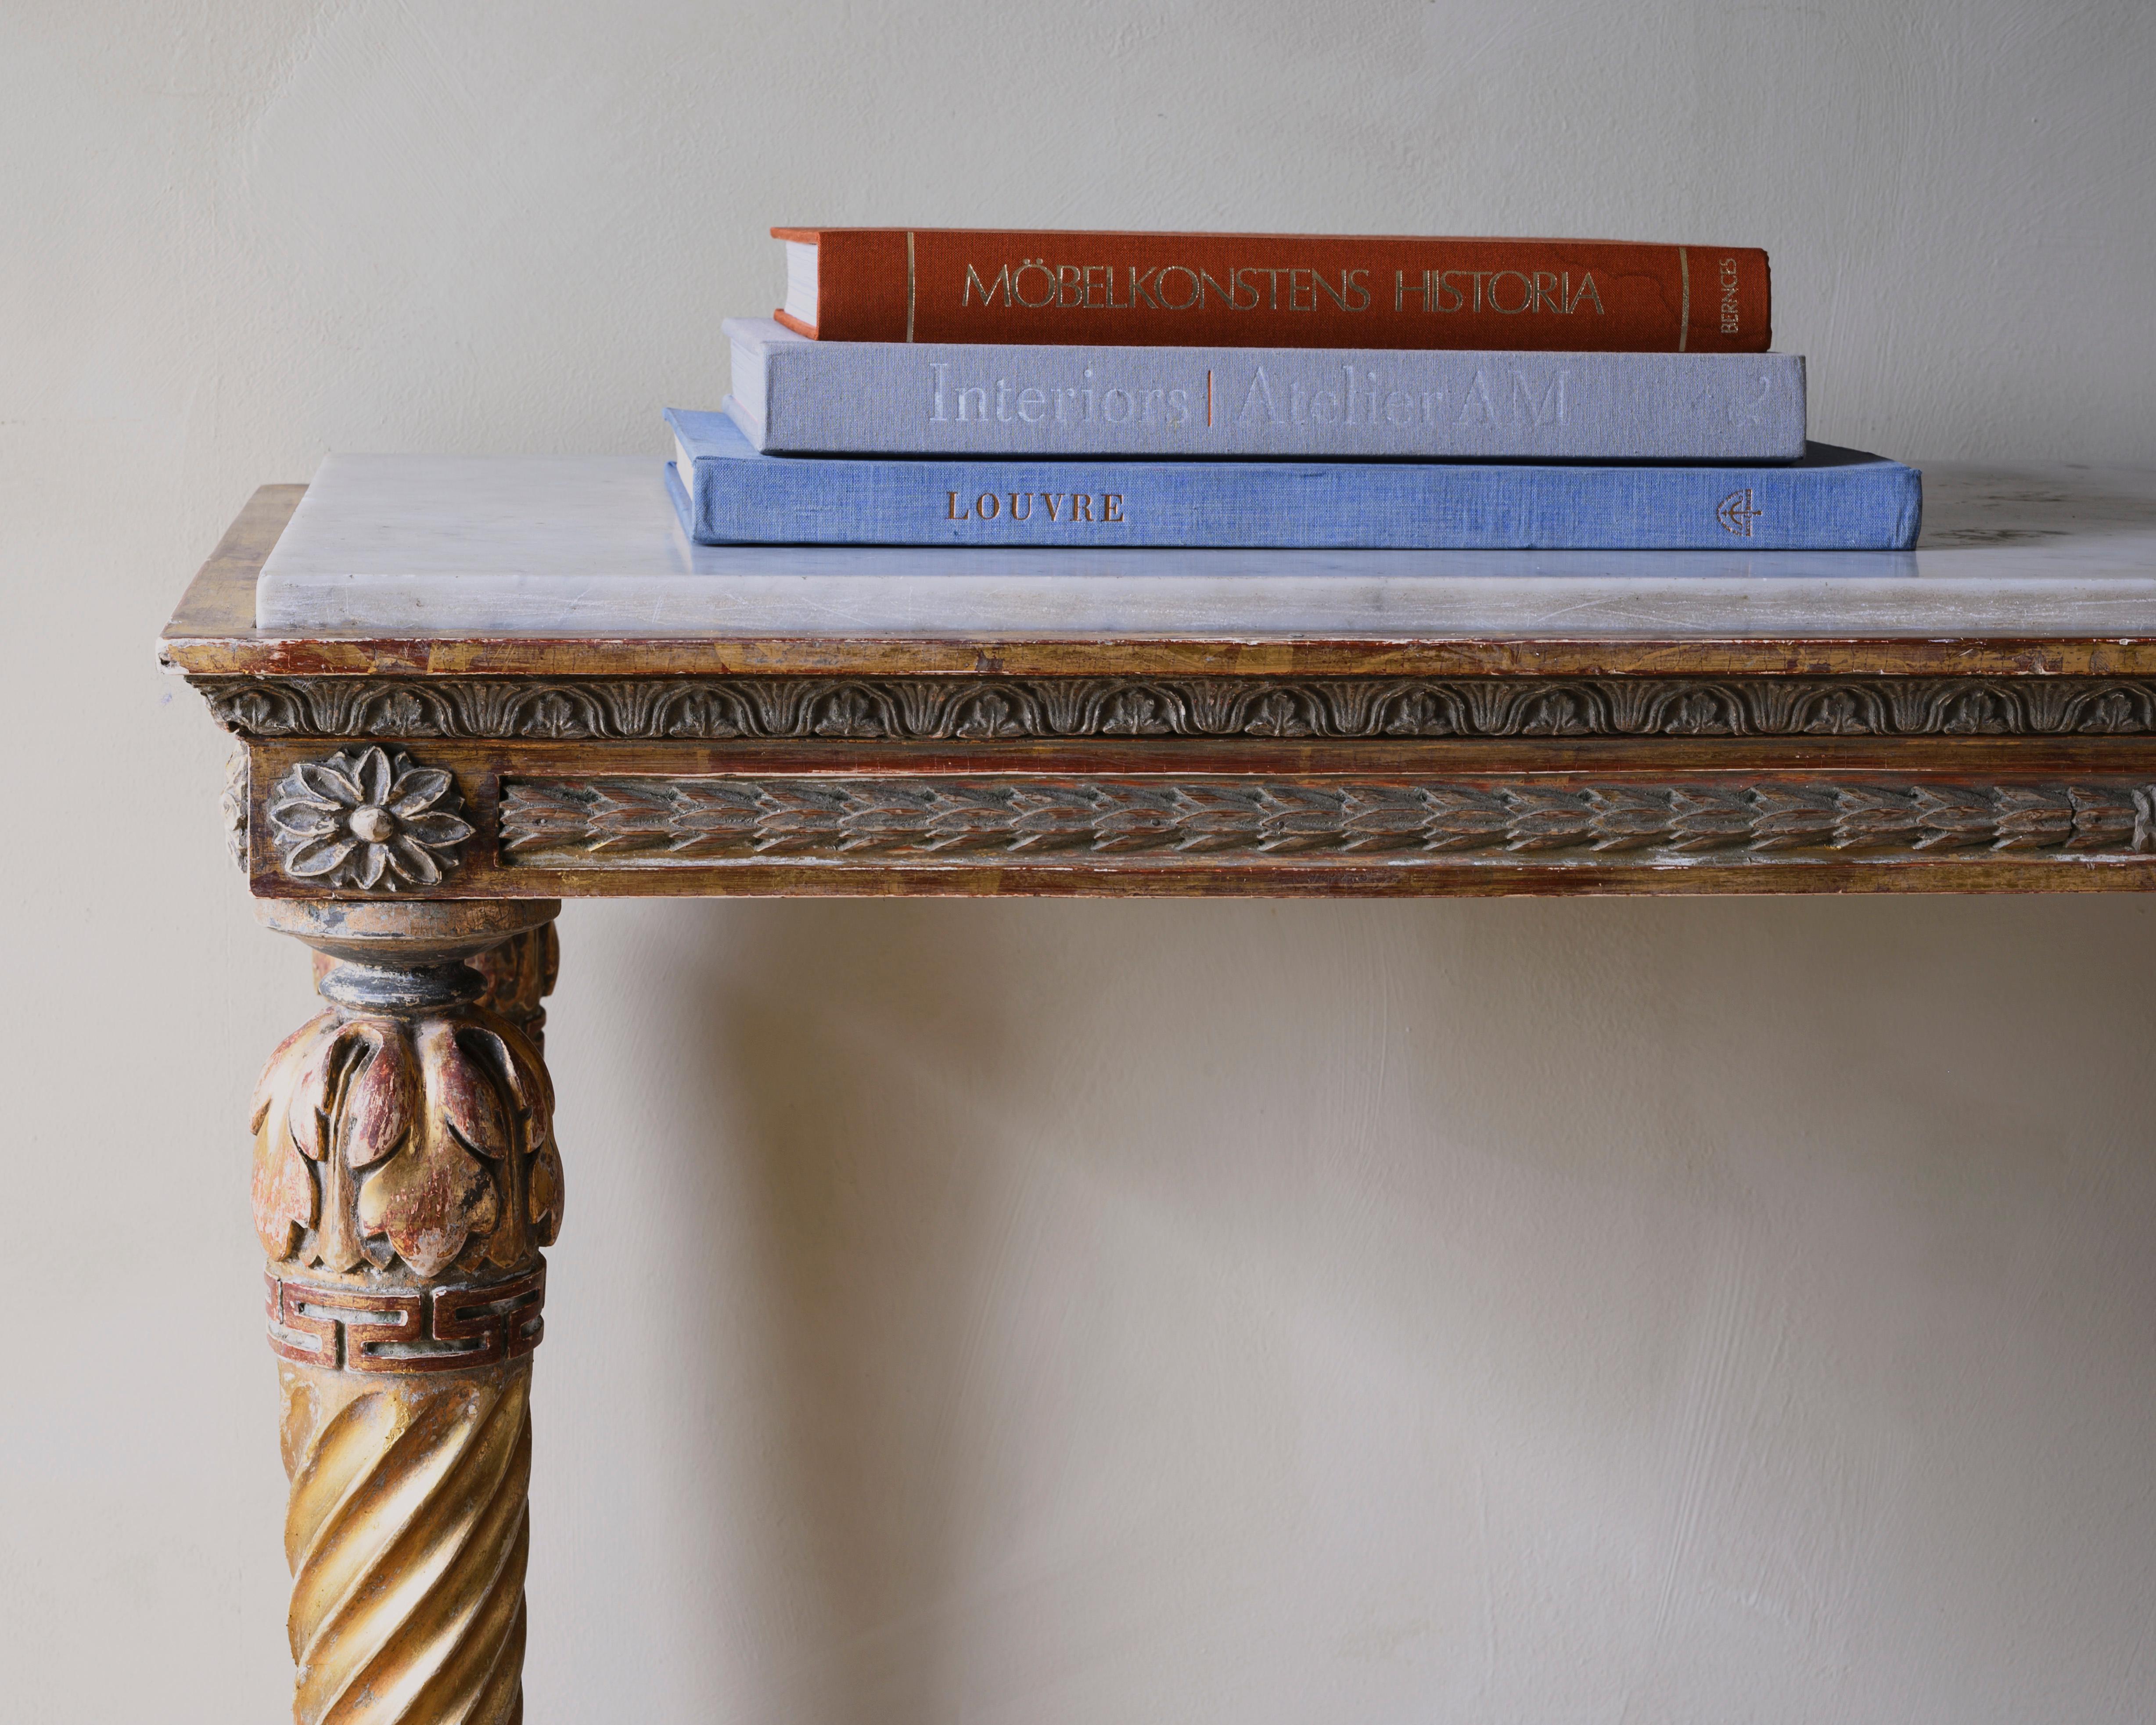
column 1246, row 816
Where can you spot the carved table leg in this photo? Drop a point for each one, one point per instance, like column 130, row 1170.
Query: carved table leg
column 405, row 1178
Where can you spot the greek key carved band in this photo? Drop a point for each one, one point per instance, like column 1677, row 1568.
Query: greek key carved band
column 1019, row 709
column 405, row 1329
column 641, row 822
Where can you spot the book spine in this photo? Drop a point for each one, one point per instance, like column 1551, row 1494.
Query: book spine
column 1250, row 290
column 1856, row 506
column 895, row 398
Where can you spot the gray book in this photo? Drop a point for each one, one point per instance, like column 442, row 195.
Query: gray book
column 794, row 396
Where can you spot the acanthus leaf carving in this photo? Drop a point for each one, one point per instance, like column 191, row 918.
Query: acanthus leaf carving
column 424, row 1140
column 377, row 1105
column 435, row 1194
column 282, row 1189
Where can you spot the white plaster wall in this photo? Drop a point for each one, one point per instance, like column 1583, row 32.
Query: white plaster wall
column 1083, row 1314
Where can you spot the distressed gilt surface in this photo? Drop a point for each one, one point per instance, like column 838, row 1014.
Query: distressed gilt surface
column 406, row 1178
column 410, row 807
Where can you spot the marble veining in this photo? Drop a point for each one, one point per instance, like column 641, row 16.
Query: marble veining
column 570, row 545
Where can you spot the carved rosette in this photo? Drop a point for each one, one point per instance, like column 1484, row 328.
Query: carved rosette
column 369, row 819
column 406, row 1177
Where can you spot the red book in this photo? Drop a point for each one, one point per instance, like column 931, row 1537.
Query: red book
column 1270, row 290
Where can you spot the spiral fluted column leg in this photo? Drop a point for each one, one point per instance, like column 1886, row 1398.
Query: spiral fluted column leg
column 406, row 1176
column 407, row 1534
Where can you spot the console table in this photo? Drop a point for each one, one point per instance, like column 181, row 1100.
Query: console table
column 480, row 688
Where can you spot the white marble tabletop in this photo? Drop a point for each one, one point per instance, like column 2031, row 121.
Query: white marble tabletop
column 571, row 546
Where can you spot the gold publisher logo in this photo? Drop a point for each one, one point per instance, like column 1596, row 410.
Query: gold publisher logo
column 1736, row 513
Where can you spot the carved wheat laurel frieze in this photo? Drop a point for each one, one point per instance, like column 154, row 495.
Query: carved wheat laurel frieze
column 590, row 822
column 1018, row 709
column 365, row 819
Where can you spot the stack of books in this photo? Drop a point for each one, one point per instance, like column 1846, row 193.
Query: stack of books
column 967, row 387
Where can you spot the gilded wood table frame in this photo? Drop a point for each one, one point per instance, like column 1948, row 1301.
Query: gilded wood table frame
column 414, row 809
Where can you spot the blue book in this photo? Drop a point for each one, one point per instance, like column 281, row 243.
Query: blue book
column 1831, row 500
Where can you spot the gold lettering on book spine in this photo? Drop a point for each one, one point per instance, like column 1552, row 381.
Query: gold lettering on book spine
column 909, row 284
column 1070, row 287
column 1683, row 311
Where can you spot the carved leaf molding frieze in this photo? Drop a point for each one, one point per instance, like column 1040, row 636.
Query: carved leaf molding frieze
column 1016, row 709
column 639, row 821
